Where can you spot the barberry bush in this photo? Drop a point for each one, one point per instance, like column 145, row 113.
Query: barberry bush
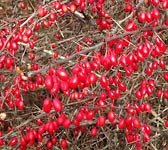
column 84, row 74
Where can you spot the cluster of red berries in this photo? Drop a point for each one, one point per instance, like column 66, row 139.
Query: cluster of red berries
column 113, row 85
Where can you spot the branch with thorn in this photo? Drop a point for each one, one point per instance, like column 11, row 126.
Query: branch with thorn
column 92, row 48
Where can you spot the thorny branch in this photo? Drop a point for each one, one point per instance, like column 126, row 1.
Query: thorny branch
column 89, row 49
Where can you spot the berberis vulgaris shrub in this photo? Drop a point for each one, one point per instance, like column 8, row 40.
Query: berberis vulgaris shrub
column 84, row 74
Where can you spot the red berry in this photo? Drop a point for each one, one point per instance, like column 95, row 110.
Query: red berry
column 28, row 32
column 49, row 145
column 147, row 107
column 23, row 5
column 53, row 140
column 166, row 123
column 13, row 141
column 14, row 45
column 136, row 123
column 64, row 8
column 22, row 141
column 165, row 4
column 129, row 71
column 66, row 123
column 165, row 94
column 146, row 129
column 113, row 58
column 142, row 17
column 101, row 121
column 62, row 74
column 122, row 87
column 111, row 116
column 159, row 93
column 73, row 82
column 57, row 5
column 155, row 13
column 53, row 16
column 61, row 119
column 138, row 94
column 162, row 64
column 89, row 115
column 47, row 105
column 49, row 83
column 128, row 8
column 79, row 116
column 93, row 131
column 121, row 123
column 149, row 17
column 40, row 11
column 155, row 2
column 63, row 143
column 92, row 78
column 165, row 75
column 123, row 60
column 128, row 121
column 72, row 7
column 21, row 105
column 57, row 104
column 47, row 24
column 103, row 81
